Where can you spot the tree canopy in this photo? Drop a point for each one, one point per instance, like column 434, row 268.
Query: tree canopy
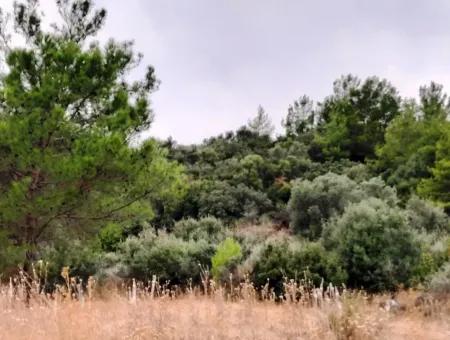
column 355, row 117
column 67, row 122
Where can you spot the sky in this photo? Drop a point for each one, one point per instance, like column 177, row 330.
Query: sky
column 218, row 60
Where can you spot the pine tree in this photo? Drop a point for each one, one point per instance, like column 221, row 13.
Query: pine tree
column 438, row 186
column 261, row 123
column 67, row 122
column 300, row 117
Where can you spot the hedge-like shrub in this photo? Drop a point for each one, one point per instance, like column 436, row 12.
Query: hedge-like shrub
column 375, row 245
column 206, row 228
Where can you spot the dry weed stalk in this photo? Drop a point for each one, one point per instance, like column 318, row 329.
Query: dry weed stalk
column 158, row 310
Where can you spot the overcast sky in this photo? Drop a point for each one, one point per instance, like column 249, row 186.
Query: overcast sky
column 219, row 59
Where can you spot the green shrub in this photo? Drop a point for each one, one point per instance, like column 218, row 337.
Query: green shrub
column 110, row 236
column 296, row 260
column 440, row 281
column 377, row 188
column 10, row 255
column 228, row 202
column 425, row 267
column 358, row 172
column 227, row 256
column 289, row 159
column 424, row 216
column 310, row 259
column 434, row 253
column 252, row 236
column 165, row 256
column 206, row 228
column 272, row 266
column 374, row 244
column 314, row 201
column 440, row 249
column 83, row 258
column 323, row 167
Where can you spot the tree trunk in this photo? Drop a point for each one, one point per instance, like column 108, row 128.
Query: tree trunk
column 30, row 258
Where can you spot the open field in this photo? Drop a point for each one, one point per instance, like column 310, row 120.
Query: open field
column 198, row 317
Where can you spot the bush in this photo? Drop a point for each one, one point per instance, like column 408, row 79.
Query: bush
column 434, row 253
column 289, row 159
column 374, row 244
column 377, row 188
column 425, row 267
column 110, row 236
column 83, row 259
column 296, row 260
column 440, row 249
column 165, row 256
column 222, row 200
column 358, row 172
column 312, row 202
column 10, row 255
column 310, row 259
column 272, row 266
column 424, row 216
column 253, row 240
column 440, row 281
column 226, row 258
column 206, row 228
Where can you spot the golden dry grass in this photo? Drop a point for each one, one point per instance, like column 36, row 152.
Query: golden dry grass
column 198, row 317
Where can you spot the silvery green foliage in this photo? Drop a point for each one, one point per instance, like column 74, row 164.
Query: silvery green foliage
column 253, row 240
column 83, row 258
column 358, row 172
column 227, row 201
column 440, row 281
column 206, row 228
column 376, row 187
column 423, row 215
column 281, row 259
column 163, row 255
column 375, row 245
column 314, row 202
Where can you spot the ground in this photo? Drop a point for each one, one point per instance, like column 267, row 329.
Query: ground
column 193, row 316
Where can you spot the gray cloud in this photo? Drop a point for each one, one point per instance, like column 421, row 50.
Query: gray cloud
column 219, row 59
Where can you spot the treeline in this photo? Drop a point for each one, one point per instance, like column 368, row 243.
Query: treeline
column 359, row 182
column 355, row 191
column 362, row 130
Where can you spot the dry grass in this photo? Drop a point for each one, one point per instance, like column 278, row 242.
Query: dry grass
column 237, row 313
column 192, row 317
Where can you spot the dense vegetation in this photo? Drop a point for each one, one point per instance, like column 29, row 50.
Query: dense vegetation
column 356, row 190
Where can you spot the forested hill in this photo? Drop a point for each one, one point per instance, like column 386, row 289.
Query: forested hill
column 364, row 129
column 356, row 190
column 360, row 182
